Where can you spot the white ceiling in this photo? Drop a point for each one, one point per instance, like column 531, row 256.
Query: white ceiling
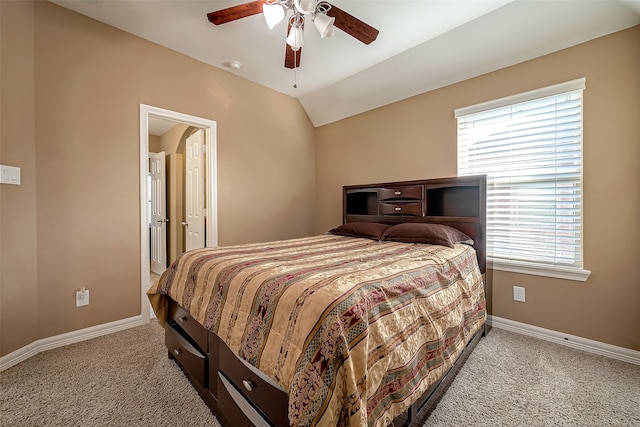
column 422, row 45
column 158, row 126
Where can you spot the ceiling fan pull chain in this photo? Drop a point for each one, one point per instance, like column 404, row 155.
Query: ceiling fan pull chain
column 295, row 70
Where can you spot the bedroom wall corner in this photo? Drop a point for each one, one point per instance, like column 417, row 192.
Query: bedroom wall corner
column 71, row 91
column 416, row 138
column 18, row 245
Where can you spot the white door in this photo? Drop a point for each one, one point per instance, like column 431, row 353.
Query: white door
column 194, row 191
column 158, row 213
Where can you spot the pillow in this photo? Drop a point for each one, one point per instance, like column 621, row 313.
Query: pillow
column 368, row 230
column 434, row 234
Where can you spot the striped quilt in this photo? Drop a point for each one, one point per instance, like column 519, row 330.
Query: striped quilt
column 354, row 329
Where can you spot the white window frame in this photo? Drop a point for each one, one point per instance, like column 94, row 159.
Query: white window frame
column 534, row 268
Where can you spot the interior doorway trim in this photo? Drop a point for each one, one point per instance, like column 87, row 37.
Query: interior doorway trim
column 211, row 188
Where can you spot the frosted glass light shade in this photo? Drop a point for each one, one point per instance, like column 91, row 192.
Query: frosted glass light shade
column 273, row 14
column 294, row 39
column 324, row 24
column 305, row 6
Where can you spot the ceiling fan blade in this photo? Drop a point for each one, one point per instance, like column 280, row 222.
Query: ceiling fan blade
column 235, row 12
column 291, row 58
column 352, row 25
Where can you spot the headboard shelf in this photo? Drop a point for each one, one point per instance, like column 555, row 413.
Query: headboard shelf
column 396, row 219
column 451, row 197
column 460, row 200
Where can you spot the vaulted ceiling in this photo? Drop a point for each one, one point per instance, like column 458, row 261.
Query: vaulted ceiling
column 422, row 45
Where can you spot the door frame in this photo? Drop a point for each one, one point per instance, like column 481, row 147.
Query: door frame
column 211, row 188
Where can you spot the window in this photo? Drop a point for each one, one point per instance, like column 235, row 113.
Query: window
column 530, row 146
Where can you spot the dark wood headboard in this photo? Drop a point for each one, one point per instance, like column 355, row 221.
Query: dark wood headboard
column 459, row 202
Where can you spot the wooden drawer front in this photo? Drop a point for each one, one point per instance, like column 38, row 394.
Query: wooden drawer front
column 256, row 387
column 413, row 192
column 234, row 408
column 181, row 317
column 213, row 363
column 189, row 357
column 408, row 208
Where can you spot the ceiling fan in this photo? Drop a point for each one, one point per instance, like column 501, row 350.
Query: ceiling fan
column 324, row 15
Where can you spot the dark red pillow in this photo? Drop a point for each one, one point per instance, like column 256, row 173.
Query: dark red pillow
column 368, row 230
column 434, row 234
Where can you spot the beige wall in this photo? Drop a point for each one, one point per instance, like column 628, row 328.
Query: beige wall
column 19, row 296
column 71, row 89
column 170, row 141
column 416, row 138
column 155, row 144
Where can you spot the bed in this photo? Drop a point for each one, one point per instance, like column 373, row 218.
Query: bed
column 364, row 325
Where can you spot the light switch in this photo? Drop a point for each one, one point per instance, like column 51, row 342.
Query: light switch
column 9, row 175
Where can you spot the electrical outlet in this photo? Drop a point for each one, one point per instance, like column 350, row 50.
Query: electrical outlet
column 82, row 297
column 9, row 175
column 518, row 293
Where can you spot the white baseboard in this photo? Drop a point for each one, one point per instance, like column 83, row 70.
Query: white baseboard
column 591, row 346
column 50, row 343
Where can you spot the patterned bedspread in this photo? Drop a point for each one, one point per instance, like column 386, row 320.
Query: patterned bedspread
column 354, row 329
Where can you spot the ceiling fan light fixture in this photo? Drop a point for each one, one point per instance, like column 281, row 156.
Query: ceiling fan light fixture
column 326, row 17
column 273, row 14
column 305, row 6
column 295, row 38
column 324, row 24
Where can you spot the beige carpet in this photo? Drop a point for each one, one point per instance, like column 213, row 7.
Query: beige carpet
column 122, row 379
column 125, row 379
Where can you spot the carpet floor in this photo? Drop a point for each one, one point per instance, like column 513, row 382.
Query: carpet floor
column 126, row 379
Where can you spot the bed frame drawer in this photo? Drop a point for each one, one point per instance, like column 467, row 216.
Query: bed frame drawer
column 192, row 360
column 401, row 208
column 254, row 386
column 179, row 316
column 236, row 410
column 414, row 192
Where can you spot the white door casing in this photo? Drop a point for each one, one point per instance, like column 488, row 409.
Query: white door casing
column 158, row 212
column 194, row 223
column 211, row 200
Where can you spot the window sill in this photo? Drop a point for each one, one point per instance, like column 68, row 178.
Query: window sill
column 567, row 273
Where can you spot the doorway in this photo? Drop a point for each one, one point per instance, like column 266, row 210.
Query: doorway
column 148, row 115
column 177, row 193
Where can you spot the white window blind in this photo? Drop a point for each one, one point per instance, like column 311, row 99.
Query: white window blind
column 530, row 146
